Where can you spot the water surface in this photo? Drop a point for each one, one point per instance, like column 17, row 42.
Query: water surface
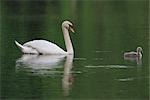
column 104, row 30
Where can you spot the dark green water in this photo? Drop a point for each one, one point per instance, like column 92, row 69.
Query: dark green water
column 104, row 30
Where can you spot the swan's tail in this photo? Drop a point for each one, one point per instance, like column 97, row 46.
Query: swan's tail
column 19, row 45
column 26, row 49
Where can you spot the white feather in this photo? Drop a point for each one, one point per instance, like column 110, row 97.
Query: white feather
column 26, row 49
column 45, row 47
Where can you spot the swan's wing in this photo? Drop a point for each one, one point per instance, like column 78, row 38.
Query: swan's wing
column 130, row 54
column 45, row 47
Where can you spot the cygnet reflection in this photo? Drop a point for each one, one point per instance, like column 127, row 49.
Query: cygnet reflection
column 136, row 59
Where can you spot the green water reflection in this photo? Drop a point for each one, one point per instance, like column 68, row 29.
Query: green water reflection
column 104, row 30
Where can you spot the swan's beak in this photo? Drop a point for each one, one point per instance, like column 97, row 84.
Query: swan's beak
column 71, row 29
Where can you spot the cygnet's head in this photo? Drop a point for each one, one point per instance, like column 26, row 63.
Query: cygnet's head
column 139, row 49
column 68, row 25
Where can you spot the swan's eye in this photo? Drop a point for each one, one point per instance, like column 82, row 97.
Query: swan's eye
column 71, row 26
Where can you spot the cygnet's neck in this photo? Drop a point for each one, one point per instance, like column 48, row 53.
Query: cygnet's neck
column 139, row 54
column 67, row 39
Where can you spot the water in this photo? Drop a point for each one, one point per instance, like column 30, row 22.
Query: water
column 104, row 30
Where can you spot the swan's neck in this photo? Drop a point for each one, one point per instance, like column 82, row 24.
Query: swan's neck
column 68, row 43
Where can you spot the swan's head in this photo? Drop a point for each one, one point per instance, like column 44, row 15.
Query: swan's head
column 68, row 25
column 139, row 49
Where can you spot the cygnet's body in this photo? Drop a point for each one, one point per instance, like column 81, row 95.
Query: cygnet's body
column 133, row 54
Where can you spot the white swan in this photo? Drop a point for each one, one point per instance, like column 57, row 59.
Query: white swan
column 46, row 47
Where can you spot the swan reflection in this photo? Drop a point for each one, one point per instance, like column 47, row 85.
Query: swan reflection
column 68, row 78
column 46, row 65
column 40, row 61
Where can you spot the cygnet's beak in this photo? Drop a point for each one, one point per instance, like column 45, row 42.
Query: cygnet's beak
column 71, row 29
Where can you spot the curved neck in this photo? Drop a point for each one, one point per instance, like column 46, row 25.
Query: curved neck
column 68, row 43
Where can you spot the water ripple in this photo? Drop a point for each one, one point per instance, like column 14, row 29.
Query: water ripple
column 108, row 66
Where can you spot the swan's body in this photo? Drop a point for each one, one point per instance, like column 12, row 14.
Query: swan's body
column 41, row 47
column 133, row 54
column 46, row 47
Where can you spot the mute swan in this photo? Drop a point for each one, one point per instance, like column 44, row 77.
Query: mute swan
column 46, row 47
column 132, row 54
